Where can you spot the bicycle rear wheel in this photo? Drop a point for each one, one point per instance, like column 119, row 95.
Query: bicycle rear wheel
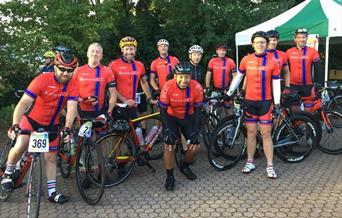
column 90, row 173
column 295, row 140
column 227, row 145
column 34, row 186
column 331, row 137
column 119, row 155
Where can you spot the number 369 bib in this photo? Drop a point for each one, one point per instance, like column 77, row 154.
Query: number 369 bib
column 39, row 142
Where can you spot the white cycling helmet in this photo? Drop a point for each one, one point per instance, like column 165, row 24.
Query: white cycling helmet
column 162, row 42
column 195, row 48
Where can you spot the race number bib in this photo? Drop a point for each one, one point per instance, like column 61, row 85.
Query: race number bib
column 138, row 97
column 39, row 142
column 85, row 130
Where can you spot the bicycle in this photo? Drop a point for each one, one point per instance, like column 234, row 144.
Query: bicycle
column 90, row 165
column 32, row 163
column 123, row 148
column 228, row 143
column 331, row 122
column 334, row 89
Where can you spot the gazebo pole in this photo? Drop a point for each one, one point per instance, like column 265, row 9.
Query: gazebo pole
column 326, row 67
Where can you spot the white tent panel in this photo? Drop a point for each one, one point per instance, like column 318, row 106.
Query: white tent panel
column 244, row 37
column 334, row 13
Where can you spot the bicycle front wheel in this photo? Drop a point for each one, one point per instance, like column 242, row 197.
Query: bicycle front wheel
column 295, row 139
column 90, row 173
column 209, row 123
column 227, row 145
column 34, row 186
column 331, row 137
column 335, row 104
column 119, row 154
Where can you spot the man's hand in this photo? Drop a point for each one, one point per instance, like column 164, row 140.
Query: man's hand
column 66, row 134
column 194, row 137
column 130, row 103
column 13, row 131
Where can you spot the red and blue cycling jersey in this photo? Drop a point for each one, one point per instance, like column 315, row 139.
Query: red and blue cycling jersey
column 162, row 67
column 93, row 82
column 181, row 102
column 50, row 98
column 259, row 71
column 301, row 61
column 221, row 70
column 127, row 76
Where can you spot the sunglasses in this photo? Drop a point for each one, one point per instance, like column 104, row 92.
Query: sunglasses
column 62, row 69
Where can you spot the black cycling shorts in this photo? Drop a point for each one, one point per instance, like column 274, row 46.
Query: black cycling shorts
column 185, row 125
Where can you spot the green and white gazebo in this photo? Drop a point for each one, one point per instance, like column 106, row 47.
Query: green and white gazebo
column 322, row 17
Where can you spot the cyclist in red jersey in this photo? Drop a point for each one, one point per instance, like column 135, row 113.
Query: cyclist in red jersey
column 128, row 72
column 162, row 66
column 261, row 71
column 302, row 58
column 180, row 109
column 93, row 80
column 47, row 94
column 222, row 69
column 280, row 56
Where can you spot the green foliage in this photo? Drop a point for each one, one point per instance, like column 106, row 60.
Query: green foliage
column 29, row 28
column 6, row 116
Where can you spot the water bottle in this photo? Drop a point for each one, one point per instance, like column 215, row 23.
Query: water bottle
column 151, row 133
column 19, row 163
column 23, row 160
column 72, row 146
column 140, row 136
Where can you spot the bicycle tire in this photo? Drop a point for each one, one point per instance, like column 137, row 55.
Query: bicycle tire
column 331, row 137
column 158, row 146
column 179, row 155
column 304, row 129
column 316, row 121
column 335, row 104
column 90, row 173
column 3, row 159
column 210, row 121
column 222, row 153
column 117, row 167
column 34, row 186
column 64, row 160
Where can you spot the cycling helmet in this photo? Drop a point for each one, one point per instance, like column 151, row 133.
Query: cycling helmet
column 260, row 34
column 162, row 42
column 301, row 31
column 195, row 48
column 65, row 58
column 49, row 54
column 221, row 45
column 183, row 68
column 128, row 41
column 273, row 34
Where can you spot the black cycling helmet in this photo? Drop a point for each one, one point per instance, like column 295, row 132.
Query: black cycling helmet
column 221, row 45
column 183, row 68
column 259, row 34
column 64, row 57
column 273, row 34
column 301, row 31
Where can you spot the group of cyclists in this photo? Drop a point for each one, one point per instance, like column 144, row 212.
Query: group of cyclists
column 84, row 89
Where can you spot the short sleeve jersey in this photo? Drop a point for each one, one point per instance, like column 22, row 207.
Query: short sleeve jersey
column 280, row 57
column 93, row 82
column 301, row 61
column 181, row 102
column 259, row 72
column 162, row 67
column 127, row 76
column 50, row 98
column 221, row 70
